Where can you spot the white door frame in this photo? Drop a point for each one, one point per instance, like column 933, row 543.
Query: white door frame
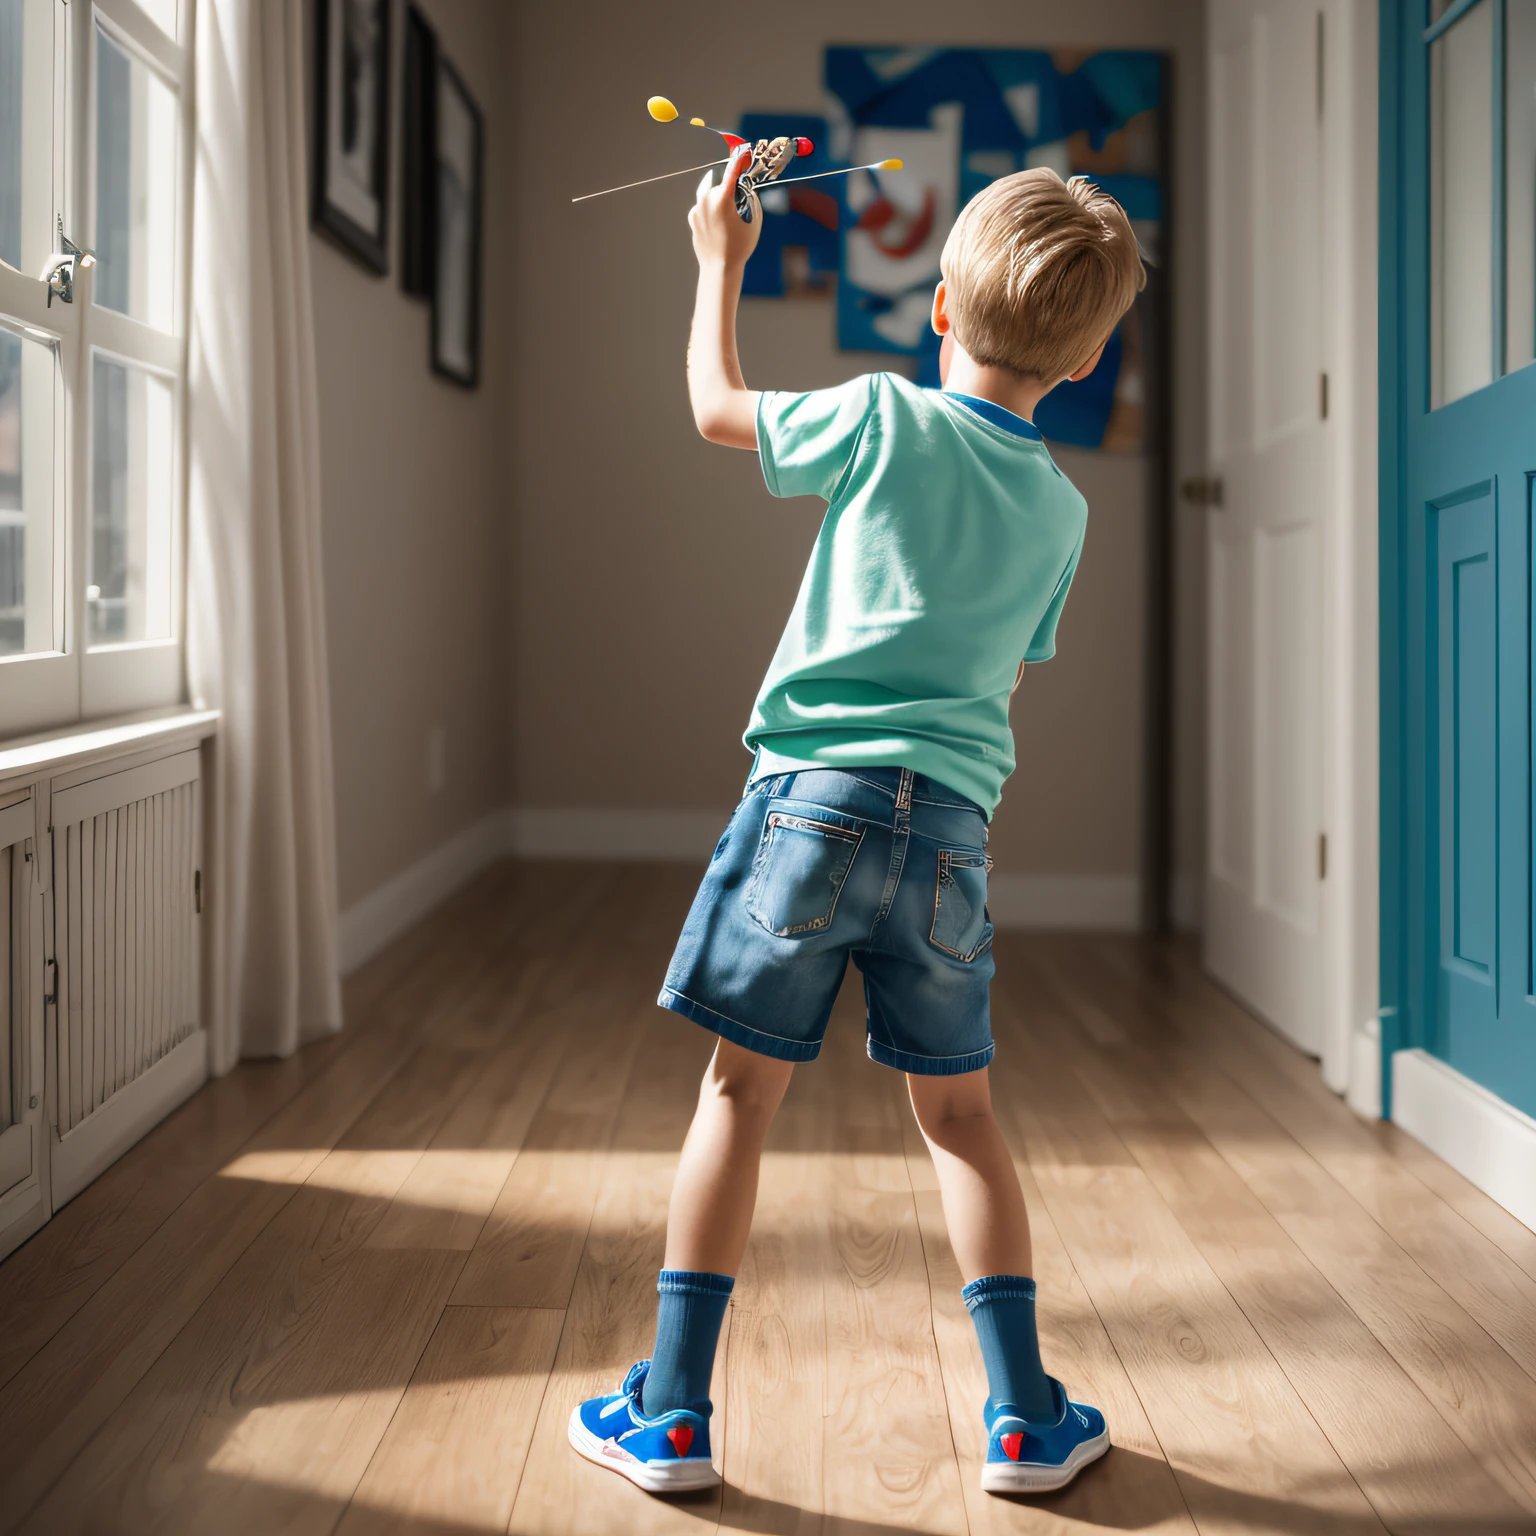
column 1349, row 803
column 1351, row 781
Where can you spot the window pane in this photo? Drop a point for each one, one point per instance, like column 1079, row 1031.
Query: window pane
column 1520, row 185
column 1461, row 208
column 27, row 463
column 26, row 135
column 162, row 13
column 136, row 129
column 128, row 564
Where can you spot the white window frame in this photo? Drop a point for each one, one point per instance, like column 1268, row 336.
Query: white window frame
column 62, row 687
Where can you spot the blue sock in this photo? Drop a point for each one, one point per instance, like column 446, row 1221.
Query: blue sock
column 688, row 1319
column 1003, row 1310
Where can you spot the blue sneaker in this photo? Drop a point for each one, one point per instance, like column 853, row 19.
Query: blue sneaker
column 1037, row 1458
column 667, row 1454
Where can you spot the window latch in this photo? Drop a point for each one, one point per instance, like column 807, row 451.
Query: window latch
column 68, row 259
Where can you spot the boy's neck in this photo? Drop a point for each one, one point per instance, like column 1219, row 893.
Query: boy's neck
column 1013, row 391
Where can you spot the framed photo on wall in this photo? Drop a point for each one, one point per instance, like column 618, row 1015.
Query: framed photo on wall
column 457, row 217
column 418, row 199
column 351, row 184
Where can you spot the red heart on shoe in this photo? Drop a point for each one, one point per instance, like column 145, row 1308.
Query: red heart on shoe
column 1012, row 1445
column 682, row 1438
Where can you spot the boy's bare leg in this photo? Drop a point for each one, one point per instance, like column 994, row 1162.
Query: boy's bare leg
column 983, row 1205
column 716, row 1185
column 989, row 1232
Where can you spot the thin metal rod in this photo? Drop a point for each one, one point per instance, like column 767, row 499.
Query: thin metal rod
column 847, row 170
column 686, row 171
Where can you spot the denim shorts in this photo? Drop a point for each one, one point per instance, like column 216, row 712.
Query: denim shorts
column 880, row 864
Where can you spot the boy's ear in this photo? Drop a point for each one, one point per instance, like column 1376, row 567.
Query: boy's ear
column 1088, row 367
column 940, row 309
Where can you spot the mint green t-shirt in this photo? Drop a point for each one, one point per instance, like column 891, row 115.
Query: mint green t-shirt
column 944, row 560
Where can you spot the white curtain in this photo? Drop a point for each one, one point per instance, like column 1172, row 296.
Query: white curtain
column 256, row 622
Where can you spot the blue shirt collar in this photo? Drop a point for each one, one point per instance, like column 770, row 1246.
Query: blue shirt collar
column 998, row 415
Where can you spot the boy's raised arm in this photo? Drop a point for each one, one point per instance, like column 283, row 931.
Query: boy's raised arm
column 724, row 409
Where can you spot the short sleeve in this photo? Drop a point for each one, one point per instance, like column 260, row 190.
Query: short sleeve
column 1043, row 646
column 806, row 442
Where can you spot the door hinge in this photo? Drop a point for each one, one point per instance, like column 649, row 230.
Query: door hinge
column 1322, row 396
column 50, row 983
column 197, row 891
column 1322, row 855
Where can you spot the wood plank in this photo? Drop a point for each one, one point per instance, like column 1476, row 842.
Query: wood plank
column 528, row 1250
column 612, row 1315
column 1465, row 1198
column 71, row 1384
column 1242, row 1444
column 897, row 1468
column 1432, row 1482
column 774, row 1456
column 453, row 1454
column 1473, row 1383
column 264, row 1411
column 1430, row 1286
column 452, row 1189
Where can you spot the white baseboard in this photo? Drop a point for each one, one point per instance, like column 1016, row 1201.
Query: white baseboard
column 1364, row 1092
column 668, row 837
column 1488, row 1141
column 100, row 1139
column 1186, row 903
column 404, row 899
column 1097, row 903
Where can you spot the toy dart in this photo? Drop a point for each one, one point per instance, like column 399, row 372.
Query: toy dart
column 770, row 159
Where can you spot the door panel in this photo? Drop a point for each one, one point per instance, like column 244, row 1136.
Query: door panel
column 1466, row 728
column 1287, row 624
column 1264, row 540
column 1459, row 425
column 1232, row 701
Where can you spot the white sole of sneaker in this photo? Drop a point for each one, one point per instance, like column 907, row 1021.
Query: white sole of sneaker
column 1026, row 1477
column 675, row 1477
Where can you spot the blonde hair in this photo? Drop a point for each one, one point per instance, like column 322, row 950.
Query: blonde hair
column 1038, row 271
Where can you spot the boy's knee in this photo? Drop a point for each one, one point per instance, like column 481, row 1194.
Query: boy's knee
column 752, row 1082
column 945, row 1104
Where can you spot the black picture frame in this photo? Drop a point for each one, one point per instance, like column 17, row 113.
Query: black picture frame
column 458, row 221
column 352, row 127
column 418, row 198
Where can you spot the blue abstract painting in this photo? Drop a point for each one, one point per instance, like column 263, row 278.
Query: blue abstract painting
column 959, row 118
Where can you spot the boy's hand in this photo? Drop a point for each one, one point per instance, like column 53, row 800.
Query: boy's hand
column 719, row 234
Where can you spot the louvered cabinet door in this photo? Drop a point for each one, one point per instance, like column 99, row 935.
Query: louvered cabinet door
column 126, row 1040
column 23, row 1152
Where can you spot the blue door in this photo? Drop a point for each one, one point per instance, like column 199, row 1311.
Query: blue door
column 1458, row 463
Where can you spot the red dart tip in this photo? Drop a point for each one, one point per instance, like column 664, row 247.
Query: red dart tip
column 804, row 147
column 733, row 142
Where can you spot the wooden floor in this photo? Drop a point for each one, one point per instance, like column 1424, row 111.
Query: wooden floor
column 359, row 1290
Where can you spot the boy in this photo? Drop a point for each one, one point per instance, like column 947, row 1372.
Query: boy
column 882, row 742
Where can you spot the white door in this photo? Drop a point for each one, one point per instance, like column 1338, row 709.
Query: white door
column 1265, row 530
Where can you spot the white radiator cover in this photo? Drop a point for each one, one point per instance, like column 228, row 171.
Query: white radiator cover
column 126, row 892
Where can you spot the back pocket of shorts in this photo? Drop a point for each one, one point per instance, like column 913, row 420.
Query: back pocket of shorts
column 960, row 927
column 799, row 872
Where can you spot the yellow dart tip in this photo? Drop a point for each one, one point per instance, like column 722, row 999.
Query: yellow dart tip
column 696, row 122
column 891, row 165
column 661, row 109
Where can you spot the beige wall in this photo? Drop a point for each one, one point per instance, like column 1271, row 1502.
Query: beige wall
column 652, row 572
column 416, row 519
